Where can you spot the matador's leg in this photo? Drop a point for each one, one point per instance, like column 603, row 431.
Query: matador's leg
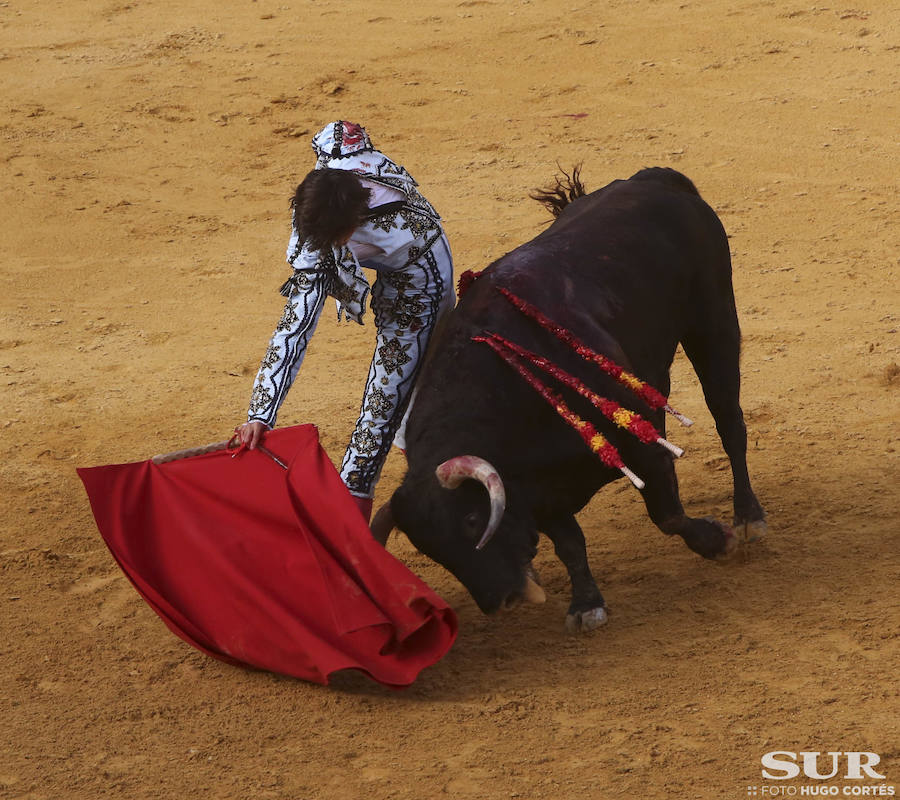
column 407, row 305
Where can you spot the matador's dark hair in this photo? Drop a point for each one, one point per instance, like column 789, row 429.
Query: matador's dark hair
column 328, row 204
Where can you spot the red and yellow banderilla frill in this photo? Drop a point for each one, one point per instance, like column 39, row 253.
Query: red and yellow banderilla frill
column 595, row 440
column 645, row 391
column 626, row 419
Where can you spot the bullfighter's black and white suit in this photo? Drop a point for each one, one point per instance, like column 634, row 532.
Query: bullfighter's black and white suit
column 404, row 242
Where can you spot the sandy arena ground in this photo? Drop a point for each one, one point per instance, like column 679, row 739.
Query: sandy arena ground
column 148, row 153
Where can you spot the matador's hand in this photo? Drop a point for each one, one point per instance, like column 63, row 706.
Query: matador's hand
column 251, row 433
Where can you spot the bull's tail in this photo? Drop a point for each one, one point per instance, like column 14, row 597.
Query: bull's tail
column 567, row 188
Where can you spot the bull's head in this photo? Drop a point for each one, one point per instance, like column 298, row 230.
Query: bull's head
column 459, row 516
column 452, row 473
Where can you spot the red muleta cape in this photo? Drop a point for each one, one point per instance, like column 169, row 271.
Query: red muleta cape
column 265, row 567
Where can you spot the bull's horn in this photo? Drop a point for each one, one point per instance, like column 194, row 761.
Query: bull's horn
column 453, row 472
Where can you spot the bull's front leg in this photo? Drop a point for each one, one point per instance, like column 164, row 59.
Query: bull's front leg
column 709, row 538
column 587, row 610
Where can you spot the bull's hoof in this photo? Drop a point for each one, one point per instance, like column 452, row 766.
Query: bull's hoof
column 730, row 545
column 584, row 621
column 751, row 531
column 710, row 538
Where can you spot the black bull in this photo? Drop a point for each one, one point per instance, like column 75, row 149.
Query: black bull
column 632, row 270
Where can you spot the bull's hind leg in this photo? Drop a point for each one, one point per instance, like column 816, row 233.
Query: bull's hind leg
column 587, row 610
column 714, row 352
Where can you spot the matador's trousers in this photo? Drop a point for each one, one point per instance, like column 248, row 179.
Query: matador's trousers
column 407, row 305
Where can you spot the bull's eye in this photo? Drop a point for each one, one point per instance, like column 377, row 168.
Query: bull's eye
column 471, row 526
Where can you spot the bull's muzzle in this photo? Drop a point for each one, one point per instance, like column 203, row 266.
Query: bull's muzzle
column 454, row 471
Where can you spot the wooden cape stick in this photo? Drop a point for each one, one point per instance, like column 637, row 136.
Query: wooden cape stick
column 191, row 451
column 213, row 448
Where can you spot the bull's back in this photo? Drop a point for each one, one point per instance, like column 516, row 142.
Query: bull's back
column 650, row 235
column 620, row 268
column 637, row 258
